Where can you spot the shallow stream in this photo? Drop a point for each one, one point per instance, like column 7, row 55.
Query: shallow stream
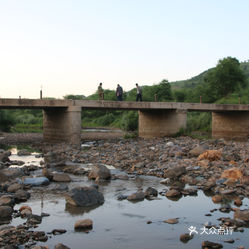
column 123, row 224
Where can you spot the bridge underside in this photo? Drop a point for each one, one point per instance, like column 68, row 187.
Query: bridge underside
column 230, row 125
column 161, row 123
column 62, row 125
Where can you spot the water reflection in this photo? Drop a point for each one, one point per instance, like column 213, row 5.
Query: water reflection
column 74, row 210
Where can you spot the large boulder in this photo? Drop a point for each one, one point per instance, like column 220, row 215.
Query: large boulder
column 174, row 172
column 11, row 173
column 199, row 149
column 61, row 177
column 84, row 197
column 5, row 212
column 36, row 181
column 14, row 187
column 233, row 173
column 211, row 155
column 21, row 195
column 138, row 196
column 83, row 224
column 6, row 200
column 99, row 172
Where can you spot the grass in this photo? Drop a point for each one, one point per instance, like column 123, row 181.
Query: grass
column 23, row 128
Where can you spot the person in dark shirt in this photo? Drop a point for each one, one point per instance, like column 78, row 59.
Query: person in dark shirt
column 119, row 93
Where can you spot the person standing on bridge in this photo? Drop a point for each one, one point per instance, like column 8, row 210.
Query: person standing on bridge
column 100, row 92
column 119, row 93
column 139, row 93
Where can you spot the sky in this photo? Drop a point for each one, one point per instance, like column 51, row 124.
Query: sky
column 70, row 46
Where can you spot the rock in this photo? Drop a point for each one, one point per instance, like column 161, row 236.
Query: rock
column 39, row 236
column 36, row 181
column 230, row 241
column 61, row 246
column 6, row 200
column 211, row 245
column 25, row 207
column 233, row 173
column 241, row 215
column 61, row 177
column 244, row 180
column 83, row 224
column 228, row 191
column 185, row 237
column 14, row 187
column 12, row 173
column 23, row 152
column 150, row 192
column 217, row 198
column 25, row 211
column 138, row 196
column 165, row 181
column 121, row 197
column 99, row 172
column 175, row 172
column 84, row 197
column 47, row 173
column 58, row 231
column 3, row 177
column 173, row 193
column 5, row 212
column 198, row 150
column 169, row 144
column 60, row 187
column 50, row 157
column 211, row 155
column 230, row 182
column 21, row 195
column 4, row 156
column 204, row 163
column 171, row 221
column 34, row 219
column 189, row 191
column 238, row 202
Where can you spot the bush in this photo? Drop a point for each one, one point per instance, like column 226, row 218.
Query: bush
column 7, row 120
column 199, row 121
column 129, row 121
column 106, row 119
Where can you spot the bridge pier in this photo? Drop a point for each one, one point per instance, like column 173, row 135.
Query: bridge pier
column 230, row 125
column 161, row 123
column 62, row 125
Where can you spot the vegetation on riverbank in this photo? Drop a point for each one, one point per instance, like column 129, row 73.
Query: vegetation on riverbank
column 227, row 83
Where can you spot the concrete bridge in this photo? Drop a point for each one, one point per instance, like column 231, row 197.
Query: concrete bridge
column 62, row 118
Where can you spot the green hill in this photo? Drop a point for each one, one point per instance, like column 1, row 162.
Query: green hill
column 199, row 79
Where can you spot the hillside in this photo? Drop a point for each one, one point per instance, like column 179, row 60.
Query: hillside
column 199, row 79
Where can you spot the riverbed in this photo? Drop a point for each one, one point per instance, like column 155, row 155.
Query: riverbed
column 124, row 224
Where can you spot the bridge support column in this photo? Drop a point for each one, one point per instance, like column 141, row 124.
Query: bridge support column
column 160, row 123
column 230, row 125
column 62, row 125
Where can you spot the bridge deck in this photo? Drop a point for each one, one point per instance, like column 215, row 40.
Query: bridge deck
column 116, row 105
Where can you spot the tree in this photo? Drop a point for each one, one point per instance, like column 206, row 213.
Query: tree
column 7, row 120
column 225, row 78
